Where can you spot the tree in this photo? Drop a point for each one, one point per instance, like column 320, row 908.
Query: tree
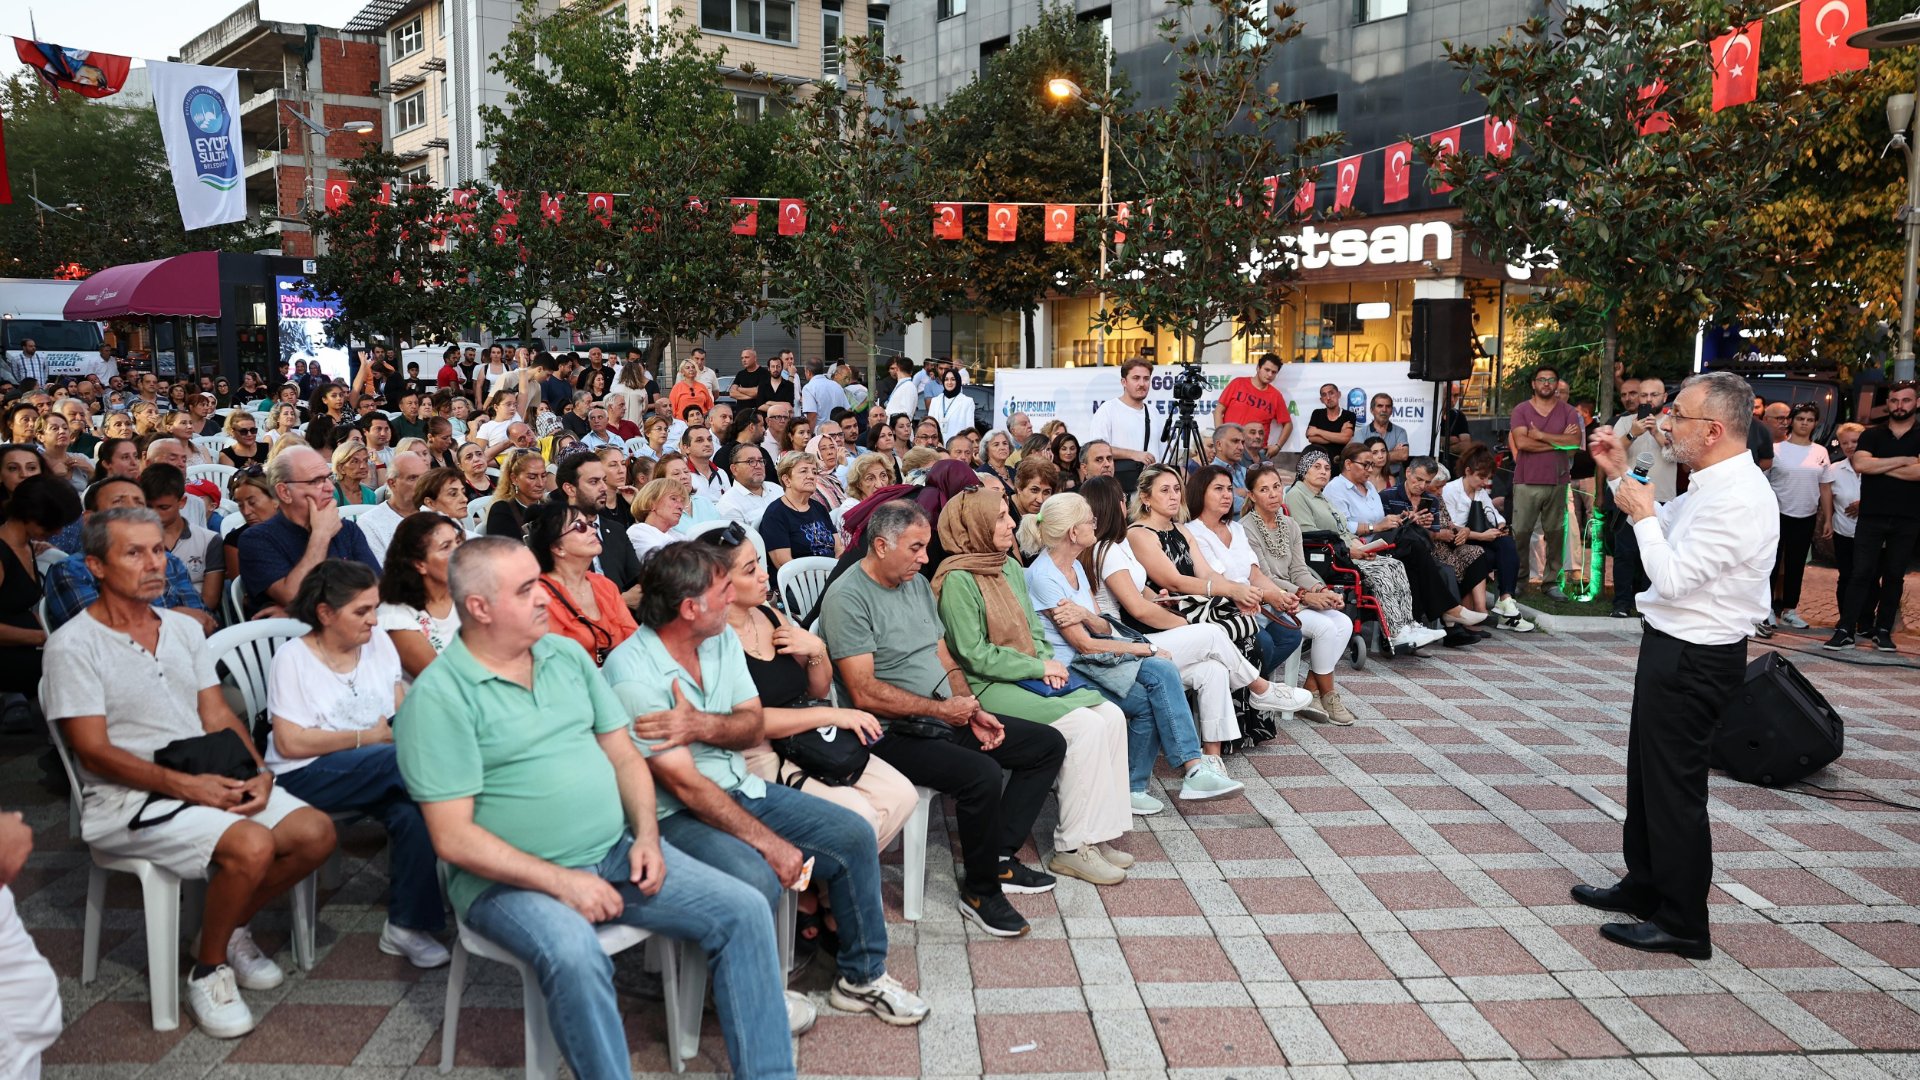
column 109, row 160
column 1206, row 251
column 386, row 257
column 1639, row 216
column 867, row 260
column 1003, row 138
column 603, row 105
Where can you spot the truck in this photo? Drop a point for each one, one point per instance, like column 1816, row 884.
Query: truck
column 34, row 309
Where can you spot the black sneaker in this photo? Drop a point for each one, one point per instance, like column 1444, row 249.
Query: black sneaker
column 1017, row 877
column 1883, row 641
column 1459, row 638
column 1628, row 613
column 993, row 914
column 1840, row 640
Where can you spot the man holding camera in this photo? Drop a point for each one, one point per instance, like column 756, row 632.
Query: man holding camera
column 1127, row 425
column 1640, row 432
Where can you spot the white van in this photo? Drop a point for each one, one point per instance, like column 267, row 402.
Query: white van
column 35, row 309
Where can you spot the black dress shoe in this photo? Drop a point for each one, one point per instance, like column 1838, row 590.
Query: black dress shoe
column 1647, row 937
column 1459, row 638
column 1612, row 898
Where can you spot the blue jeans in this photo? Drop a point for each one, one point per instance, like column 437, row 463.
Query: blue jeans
column 841, row 845
column 695, row 903
column 368, row 780
column 1276, row 642
column 1158, row 720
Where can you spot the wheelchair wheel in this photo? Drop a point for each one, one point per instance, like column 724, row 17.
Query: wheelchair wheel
column 1357, row 650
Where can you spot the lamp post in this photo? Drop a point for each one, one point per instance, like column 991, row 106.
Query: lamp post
column 1901, row 118
column 1067, row 89
column 362, row 128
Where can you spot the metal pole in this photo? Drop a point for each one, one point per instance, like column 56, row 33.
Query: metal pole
column 1903, row 361
column 1106, row 191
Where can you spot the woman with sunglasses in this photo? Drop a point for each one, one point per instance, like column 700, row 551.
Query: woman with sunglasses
column 586, row 606
column 246, row 448
column 523, row 483
column 1795, row 477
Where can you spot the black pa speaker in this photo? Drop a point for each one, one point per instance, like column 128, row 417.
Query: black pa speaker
column 1778, row 728
column 1442, row 340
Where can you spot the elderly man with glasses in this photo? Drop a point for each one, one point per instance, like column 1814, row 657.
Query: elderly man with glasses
column 277, row 554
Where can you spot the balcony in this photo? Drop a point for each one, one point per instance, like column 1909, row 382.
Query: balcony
column 435, row 63
column 402, row 84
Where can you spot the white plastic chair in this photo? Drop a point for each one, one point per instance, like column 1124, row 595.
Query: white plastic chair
column 348, row 513
column 229, row 521
column 246, row 651
column 802, row 580
column 477, row 514
column 211, row 445
column 232, row 607
column 51, row 557
column 219, row 474
column 913, row 856
column 542, row 1051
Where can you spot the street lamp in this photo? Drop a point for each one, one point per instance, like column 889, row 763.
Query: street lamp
column 1065, row 90
column 1901, row 119
column 352, row 127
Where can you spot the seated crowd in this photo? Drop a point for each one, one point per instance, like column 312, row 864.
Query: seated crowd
column 547, row 659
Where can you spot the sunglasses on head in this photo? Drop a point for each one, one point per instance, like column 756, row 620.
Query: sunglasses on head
column 732, row 536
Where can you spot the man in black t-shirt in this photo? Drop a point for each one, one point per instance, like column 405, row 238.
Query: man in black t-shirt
column 751, row 383
column 781, row 375
column 1888, row 461
column 1331, row 427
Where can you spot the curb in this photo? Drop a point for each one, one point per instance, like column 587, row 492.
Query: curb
column 1576, row 624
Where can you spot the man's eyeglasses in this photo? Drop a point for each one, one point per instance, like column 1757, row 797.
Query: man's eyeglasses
column 313, row 481
column 1678, row 415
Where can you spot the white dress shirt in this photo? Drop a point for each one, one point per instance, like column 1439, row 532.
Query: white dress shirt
column 1709, row 554
column 743, row 506
column 1454, row 496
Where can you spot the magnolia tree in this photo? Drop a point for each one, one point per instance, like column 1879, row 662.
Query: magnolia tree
column 385, row 258
column 1210, row 179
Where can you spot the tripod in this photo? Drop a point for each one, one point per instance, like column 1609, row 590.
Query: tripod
column 1182, row 436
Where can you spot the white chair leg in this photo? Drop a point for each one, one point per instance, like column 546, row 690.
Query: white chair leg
column 456, row 984
column 786, row 919
column 1290, row 674
column 693, row 994
column 913, row 857
column 160, row 895
column 90, row 936
column 664, row 953
column 543, row 1053
column 305, row 899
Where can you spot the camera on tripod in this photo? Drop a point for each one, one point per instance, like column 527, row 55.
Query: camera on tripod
column 1189, row 385
column 1182, row 432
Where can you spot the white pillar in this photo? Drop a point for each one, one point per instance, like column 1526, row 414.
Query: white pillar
column 918, row 340
column 1450, row 288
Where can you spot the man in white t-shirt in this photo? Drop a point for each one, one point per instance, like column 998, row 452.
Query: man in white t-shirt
column 29, row 990
column 381, row 522
column 124, row 680
column 696, row 442
column 1128, row 426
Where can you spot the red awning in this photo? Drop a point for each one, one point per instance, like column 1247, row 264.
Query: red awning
column 183, row 285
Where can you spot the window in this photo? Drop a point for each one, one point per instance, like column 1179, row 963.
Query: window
column 417, row 176
column 443, row 95
column 1255, row 30
column 830, row 40
column 1322, row 117
column 1341, row 319
column 440, row 21
column 408, row 38
column 989, row 48
column 950, row 8
column 877, row 29
column 770, row 19
column 1369, row 10
column 749, row 108
column 410, row 112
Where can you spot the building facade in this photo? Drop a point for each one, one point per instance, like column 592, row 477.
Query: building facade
column 288, row 70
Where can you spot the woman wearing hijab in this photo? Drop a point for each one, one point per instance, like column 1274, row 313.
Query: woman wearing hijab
column 1000, row 647
column 952, row 410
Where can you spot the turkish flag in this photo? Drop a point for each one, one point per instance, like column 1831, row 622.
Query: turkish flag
column 337, row 196
column 1658, row 120
column 1498, row 135
column 1059, row 224
column 1736, row 66
column 1303, row 199
column 385, row 198
column 1272, row 184
column 1445, row 144
column 1346, row 180
column 747, row 224
column 1003, row 221
column 499, row 235
column 696, row 206
column 600, row 205
column 886, row 216
column 550, row 205
column 1398, row 167
column 509, row 202
column 948, row 219
column 1824, row 27
column 462, row 199
column 793, row 217
column 1121, row 213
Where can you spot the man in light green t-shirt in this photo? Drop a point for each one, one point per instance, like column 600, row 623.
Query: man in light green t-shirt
column 518, row 754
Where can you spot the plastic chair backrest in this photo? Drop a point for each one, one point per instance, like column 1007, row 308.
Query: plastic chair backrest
column 233, row 604
column 477, row 513
column 219, row 474
column 801, row 582
column 48, row 558
column 348, row 513
column 246, row 652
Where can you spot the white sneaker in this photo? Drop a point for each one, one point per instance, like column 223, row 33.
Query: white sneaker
column 1516, row 624
column 418, row 946
column 251, row 968
column 216, row 1005
column 1143, row 804
column 1506, row 606
column 884, row 997
column 1280, row 698
column 801, row 1013
column 1415, row 636
column 1792, row 618
column 1465, row 618
column 1208, row 780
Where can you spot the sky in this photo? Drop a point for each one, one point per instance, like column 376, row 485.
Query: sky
column 145, row 28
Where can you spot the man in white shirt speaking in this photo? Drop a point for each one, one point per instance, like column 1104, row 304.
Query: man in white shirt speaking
column 1709, row 554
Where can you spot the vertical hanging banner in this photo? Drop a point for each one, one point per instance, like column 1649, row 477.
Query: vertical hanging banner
column 1499, row 136
column 199, row 109
column 1003, row 222
column 1445, row 144
column 509, row 207
column 748, row 223
column 1346, row 180
column 1824, row 28
column 1272, row 184
column 1393, row 183
column 1059, row 224
column 947, row 222
column 337, row 196
column 1121, row 213
column 1736, row 66
column 550, row 206
column 6, row 184
column 793, row 217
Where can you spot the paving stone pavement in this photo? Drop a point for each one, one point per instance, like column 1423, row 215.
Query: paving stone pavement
column 1384, row 901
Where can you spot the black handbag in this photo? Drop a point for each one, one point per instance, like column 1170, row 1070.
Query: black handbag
column 834, row 756
column 920, row 727
column 219, row 753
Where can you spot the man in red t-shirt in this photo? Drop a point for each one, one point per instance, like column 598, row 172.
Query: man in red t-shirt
column 1255, row 400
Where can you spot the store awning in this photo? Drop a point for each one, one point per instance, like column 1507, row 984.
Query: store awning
column 186, row 285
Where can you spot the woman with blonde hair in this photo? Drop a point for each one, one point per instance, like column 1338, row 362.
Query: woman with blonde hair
column 284, row 443
column 795, row 525
column 997, row 642
column 869, row 473
column 523, row 483
column 351, row 465
column 1129, row 670
column 245, row 447
column 689, row 391
column 657, row 509
column 282, row 421
column 673, row 466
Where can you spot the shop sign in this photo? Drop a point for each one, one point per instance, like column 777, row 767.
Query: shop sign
column 1383, row 245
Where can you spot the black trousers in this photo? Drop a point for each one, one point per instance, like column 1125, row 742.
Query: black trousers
column 1790, row 560
column 1882, row 550
column 1679, row 692
column 993, row 822
column 1843, row 580
column 1629, row 578
column 1435, row 589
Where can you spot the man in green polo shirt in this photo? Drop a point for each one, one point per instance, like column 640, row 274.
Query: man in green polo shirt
column 518, row 754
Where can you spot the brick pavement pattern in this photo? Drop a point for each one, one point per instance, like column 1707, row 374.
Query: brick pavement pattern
column 1388, row 900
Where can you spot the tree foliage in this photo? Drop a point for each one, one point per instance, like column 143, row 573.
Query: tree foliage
column 1004, row 138
column 1637, row 222
column 1206, row 251
column 386, row 260
column 867, row 261
column 108, row 159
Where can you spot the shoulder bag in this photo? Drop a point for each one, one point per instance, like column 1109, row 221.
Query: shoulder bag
column 832, row 755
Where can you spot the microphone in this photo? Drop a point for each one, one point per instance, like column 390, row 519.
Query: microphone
column 1643, row 466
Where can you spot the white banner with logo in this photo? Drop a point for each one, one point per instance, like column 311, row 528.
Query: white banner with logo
column 1074, row 394
column 199, row 111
